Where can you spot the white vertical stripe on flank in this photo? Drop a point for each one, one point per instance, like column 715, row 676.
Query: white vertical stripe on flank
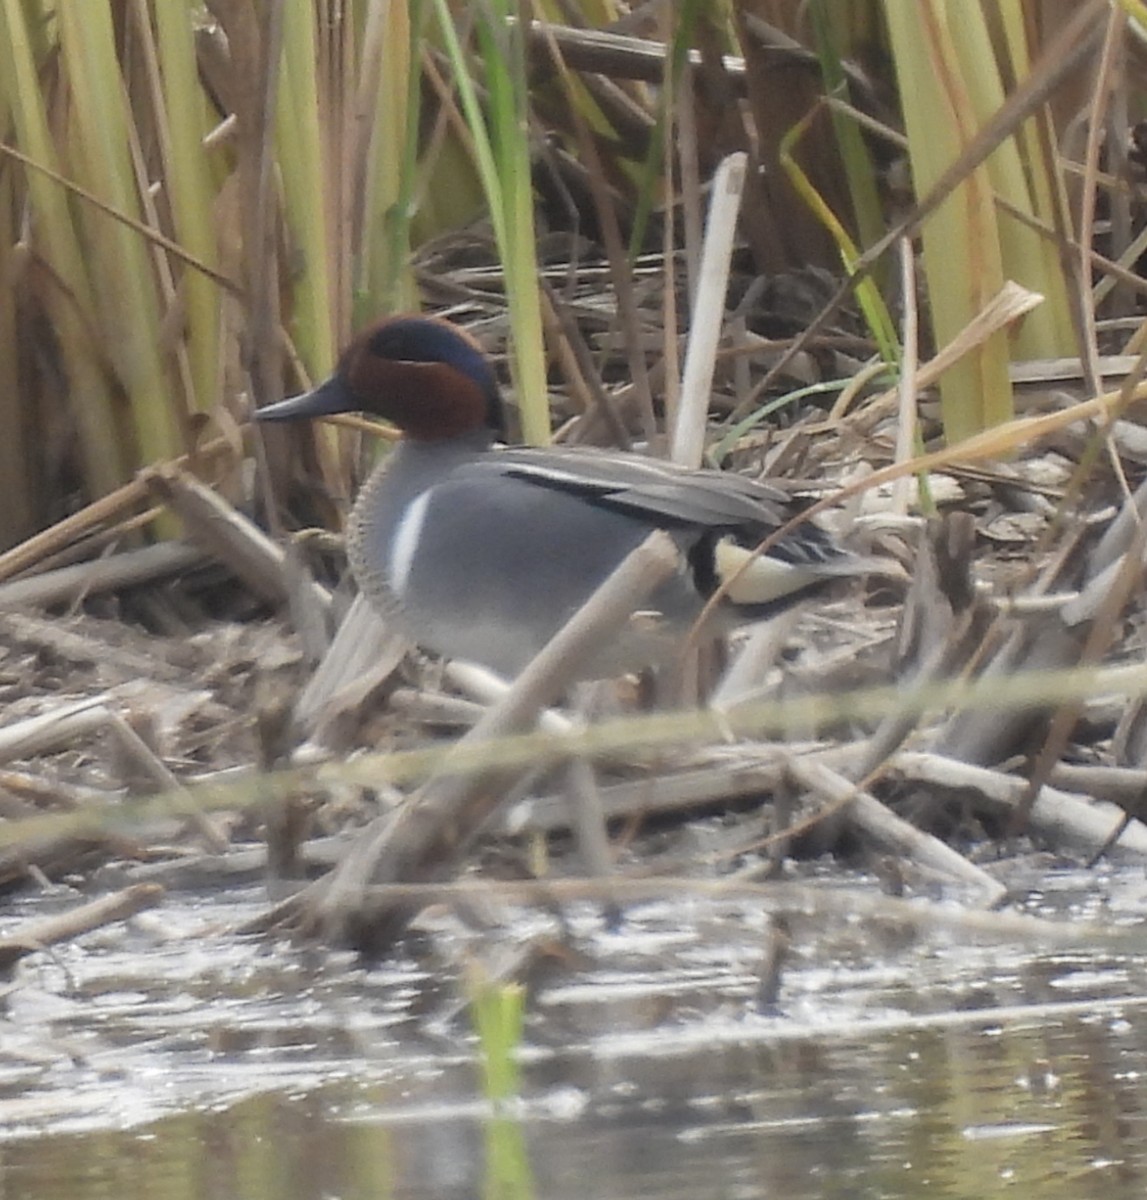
column 405, row 543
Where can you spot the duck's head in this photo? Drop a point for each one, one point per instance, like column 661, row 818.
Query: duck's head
column 423, row 374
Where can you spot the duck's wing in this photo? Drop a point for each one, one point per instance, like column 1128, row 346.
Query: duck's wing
column 662, row 492
column 731, row 513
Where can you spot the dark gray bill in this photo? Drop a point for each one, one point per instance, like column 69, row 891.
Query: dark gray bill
column 332, row 396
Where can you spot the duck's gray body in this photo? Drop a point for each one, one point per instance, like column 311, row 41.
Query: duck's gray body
column 483, row 554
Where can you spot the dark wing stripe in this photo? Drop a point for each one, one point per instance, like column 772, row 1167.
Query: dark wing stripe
column 631, row 470
column 645, row 487
column 705, row 508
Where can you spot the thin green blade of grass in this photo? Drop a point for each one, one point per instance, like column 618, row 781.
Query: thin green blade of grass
column 859, row 171
column 503, row 40
column 507, row 1175
column 717, row 452
column 875, row 311
column 500, row 138
column 497, row 1012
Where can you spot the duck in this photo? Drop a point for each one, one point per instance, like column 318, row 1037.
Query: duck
column 481, row 551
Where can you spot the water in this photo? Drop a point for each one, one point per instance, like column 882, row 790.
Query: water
column 172, row 1059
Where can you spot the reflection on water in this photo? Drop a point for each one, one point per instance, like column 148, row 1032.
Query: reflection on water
column 198, row 1066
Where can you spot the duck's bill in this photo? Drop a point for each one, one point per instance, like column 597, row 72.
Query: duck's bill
column 322, row 401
